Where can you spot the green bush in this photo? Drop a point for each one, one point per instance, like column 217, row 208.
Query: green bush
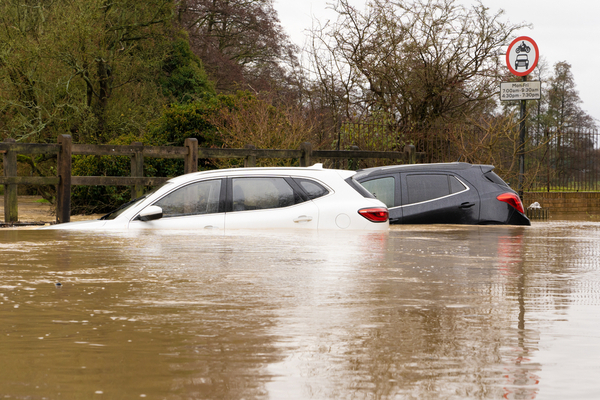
column 177, row 123
column 183, row 82
column 183, row 77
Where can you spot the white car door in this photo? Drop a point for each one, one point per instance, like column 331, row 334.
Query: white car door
column 195, row 206
column 269, row 202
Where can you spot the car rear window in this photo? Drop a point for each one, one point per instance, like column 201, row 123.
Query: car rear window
column 359, row 188
column 492, row 177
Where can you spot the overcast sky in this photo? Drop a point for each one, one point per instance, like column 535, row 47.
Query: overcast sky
column 563, row 30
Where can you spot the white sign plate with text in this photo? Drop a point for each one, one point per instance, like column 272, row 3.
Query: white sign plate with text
column 520, row 90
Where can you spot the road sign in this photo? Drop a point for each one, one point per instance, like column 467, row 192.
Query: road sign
column 528, row 90
column 522, row 56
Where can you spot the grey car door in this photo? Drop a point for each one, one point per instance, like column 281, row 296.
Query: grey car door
column 438, row 198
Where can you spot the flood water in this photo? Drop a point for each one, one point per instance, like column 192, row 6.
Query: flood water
column 420, row 312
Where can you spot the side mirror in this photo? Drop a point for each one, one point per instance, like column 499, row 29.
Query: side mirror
column 151, row 213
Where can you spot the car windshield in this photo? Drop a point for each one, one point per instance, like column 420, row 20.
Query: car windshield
column 114, row 214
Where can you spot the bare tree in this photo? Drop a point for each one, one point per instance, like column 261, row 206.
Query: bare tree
column 425, row 62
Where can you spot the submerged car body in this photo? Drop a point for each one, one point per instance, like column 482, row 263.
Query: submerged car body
column 250, row 198
column 451, row 193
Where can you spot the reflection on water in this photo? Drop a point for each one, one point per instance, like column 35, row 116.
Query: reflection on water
column 423, row 312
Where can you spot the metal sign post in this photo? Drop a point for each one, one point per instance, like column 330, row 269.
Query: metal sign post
column 522, row 144
column 521, row 59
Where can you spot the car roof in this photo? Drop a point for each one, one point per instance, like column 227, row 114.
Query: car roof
column 312, row 171
column 446, row 167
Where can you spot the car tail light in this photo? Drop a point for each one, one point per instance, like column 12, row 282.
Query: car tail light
column 513, row 200
column 377, row 214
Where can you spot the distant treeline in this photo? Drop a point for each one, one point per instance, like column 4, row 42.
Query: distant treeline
column 225, row 72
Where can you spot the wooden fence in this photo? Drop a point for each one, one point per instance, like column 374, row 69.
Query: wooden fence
column 190, row 152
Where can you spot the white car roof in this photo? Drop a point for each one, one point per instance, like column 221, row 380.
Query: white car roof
column 314, row 171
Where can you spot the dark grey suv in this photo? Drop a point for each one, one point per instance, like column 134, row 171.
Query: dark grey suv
column 444, row 193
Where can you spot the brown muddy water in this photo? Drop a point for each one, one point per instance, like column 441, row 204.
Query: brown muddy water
column 431, row 312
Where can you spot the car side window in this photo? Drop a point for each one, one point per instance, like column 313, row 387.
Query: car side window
column 193, row 199
column 262, row 193
column 383, row 189
column 313, row 189
column 455, row 185
column 423, row 187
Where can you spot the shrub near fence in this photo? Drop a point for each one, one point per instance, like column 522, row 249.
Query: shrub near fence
column 190, row 152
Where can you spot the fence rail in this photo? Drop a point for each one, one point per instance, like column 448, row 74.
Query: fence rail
column 566, row 161
column 190, row 152
column 555, row 159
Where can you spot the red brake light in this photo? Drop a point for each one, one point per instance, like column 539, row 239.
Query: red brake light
column 513, row 200
column 377, row 214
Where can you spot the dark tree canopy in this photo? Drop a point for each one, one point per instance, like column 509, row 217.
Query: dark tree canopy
column 241, row 42
column 564, row 103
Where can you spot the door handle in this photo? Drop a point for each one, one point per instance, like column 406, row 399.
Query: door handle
column 303, row 218
column 466, row 205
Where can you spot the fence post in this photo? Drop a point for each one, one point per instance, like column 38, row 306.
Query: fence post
column 63, row 192
column 190, row 163
column 411, row 154
column 250, row 161
column 137, row 169
column 353, row 162
column 11, row 202
column 548, row 156
column 305, row 159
